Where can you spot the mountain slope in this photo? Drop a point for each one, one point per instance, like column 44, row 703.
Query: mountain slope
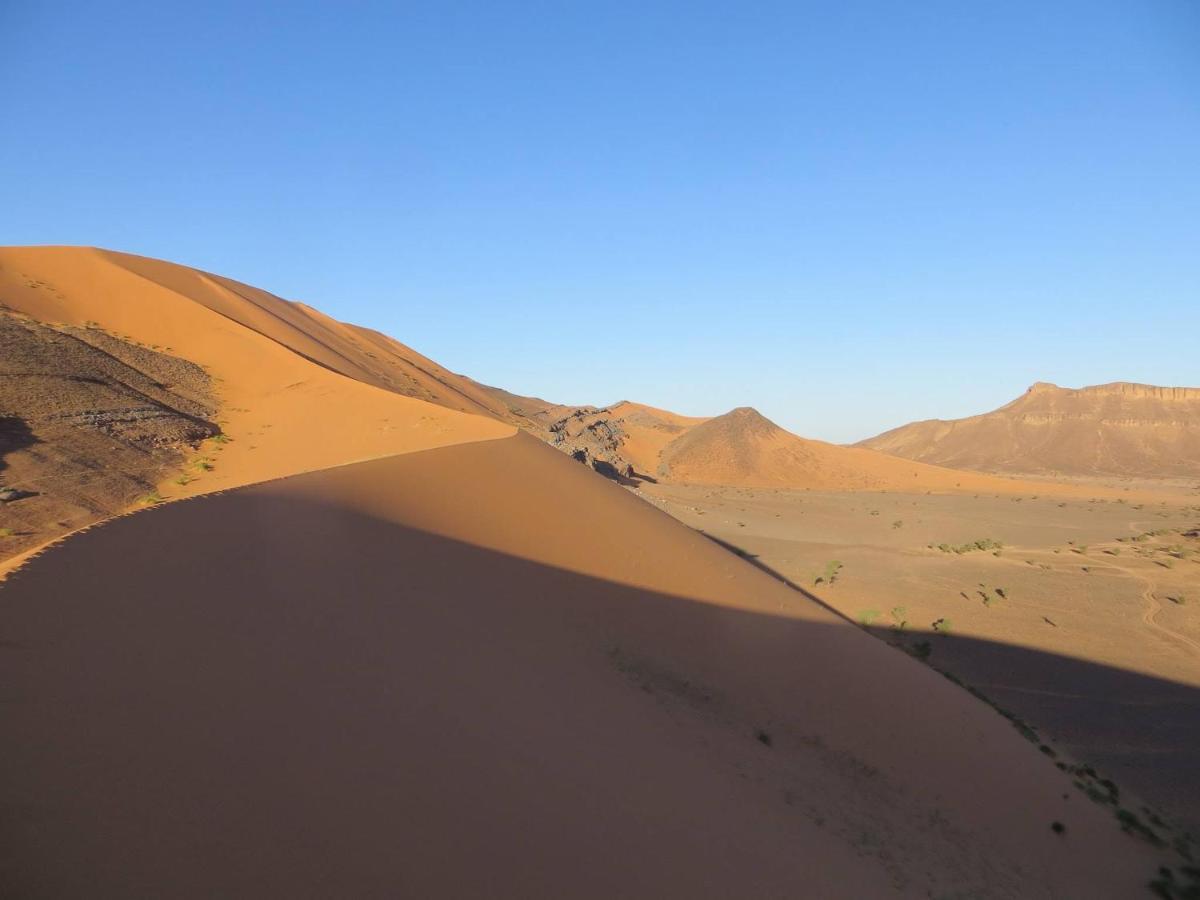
column 744, row 448
column 1122, row 429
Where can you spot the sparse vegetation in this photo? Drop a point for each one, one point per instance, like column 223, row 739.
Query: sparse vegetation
column 970, row 547
column 830, row 575
column 1132, row 824
column 867, row 616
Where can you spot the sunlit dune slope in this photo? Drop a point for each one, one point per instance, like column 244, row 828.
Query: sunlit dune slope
column 297, row 390
column 482, row 671
column 1117, row 429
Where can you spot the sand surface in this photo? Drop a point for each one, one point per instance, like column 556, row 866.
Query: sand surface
column 291, row 398
column 1086, row 623
column 450, row 683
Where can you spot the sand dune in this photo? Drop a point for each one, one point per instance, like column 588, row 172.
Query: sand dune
column 1117, row 429
column 295, row 390
column 430, row 675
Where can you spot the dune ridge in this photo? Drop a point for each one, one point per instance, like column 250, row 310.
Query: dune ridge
column 579, row 706
column 294, row 391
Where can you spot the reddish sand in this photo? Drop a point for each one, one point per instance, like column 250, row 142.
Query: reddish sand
column 295, row 395
column 483, row 670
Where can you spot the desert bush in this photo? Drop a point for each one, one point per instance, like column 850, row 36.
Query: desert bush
column 971, row 546
column 829, row 576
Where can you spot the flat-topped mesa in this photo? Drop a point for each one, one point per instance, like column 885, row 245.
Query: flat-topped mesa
column 1121, row 428
column 1130, row 389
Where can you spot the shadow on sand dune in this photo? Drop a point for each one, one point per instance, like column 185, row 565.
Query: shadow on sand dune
column 1138, row 729
column 260, row 694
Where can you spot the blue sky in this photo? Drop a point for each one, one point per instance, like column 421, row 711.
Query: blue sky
column 848, row 215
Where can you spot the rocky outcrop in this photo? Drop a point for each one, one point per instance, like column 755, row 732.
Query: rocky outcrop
column 1118, row 429
column 593, row 437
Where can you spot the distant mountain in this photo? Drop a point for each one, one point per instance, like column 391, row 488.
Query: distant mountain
column 1121, row 429
column 740, row 448
column 745, row 448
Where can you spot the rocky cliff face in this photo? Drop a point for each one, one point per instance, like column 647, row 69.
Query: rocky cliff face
column 1118, row 429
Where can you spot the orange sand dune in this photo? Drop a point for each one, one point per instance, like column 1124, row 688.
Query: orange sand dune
column 298, row 391
column 480, row 670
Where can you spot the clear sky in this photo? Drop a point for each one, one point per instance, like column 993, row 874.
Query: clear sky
column 846, row 214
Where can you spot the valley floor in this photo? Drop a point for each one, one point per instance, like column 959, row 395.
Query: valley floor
column 1084, row 621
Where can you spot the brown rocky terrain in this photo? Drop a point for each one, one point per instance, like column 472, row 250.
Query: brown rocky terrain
column 1119, row 429
column 89, row 424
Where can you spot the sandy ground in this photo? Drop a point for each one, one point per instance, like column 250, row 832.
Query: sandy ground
column 283, row 407
column 452, row 683
column 1090, row 636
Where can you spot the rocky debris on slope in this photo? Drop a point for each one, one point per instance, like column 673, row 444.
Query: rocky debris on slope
column 593, row 437
column 90, row 379
column 89, row 423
